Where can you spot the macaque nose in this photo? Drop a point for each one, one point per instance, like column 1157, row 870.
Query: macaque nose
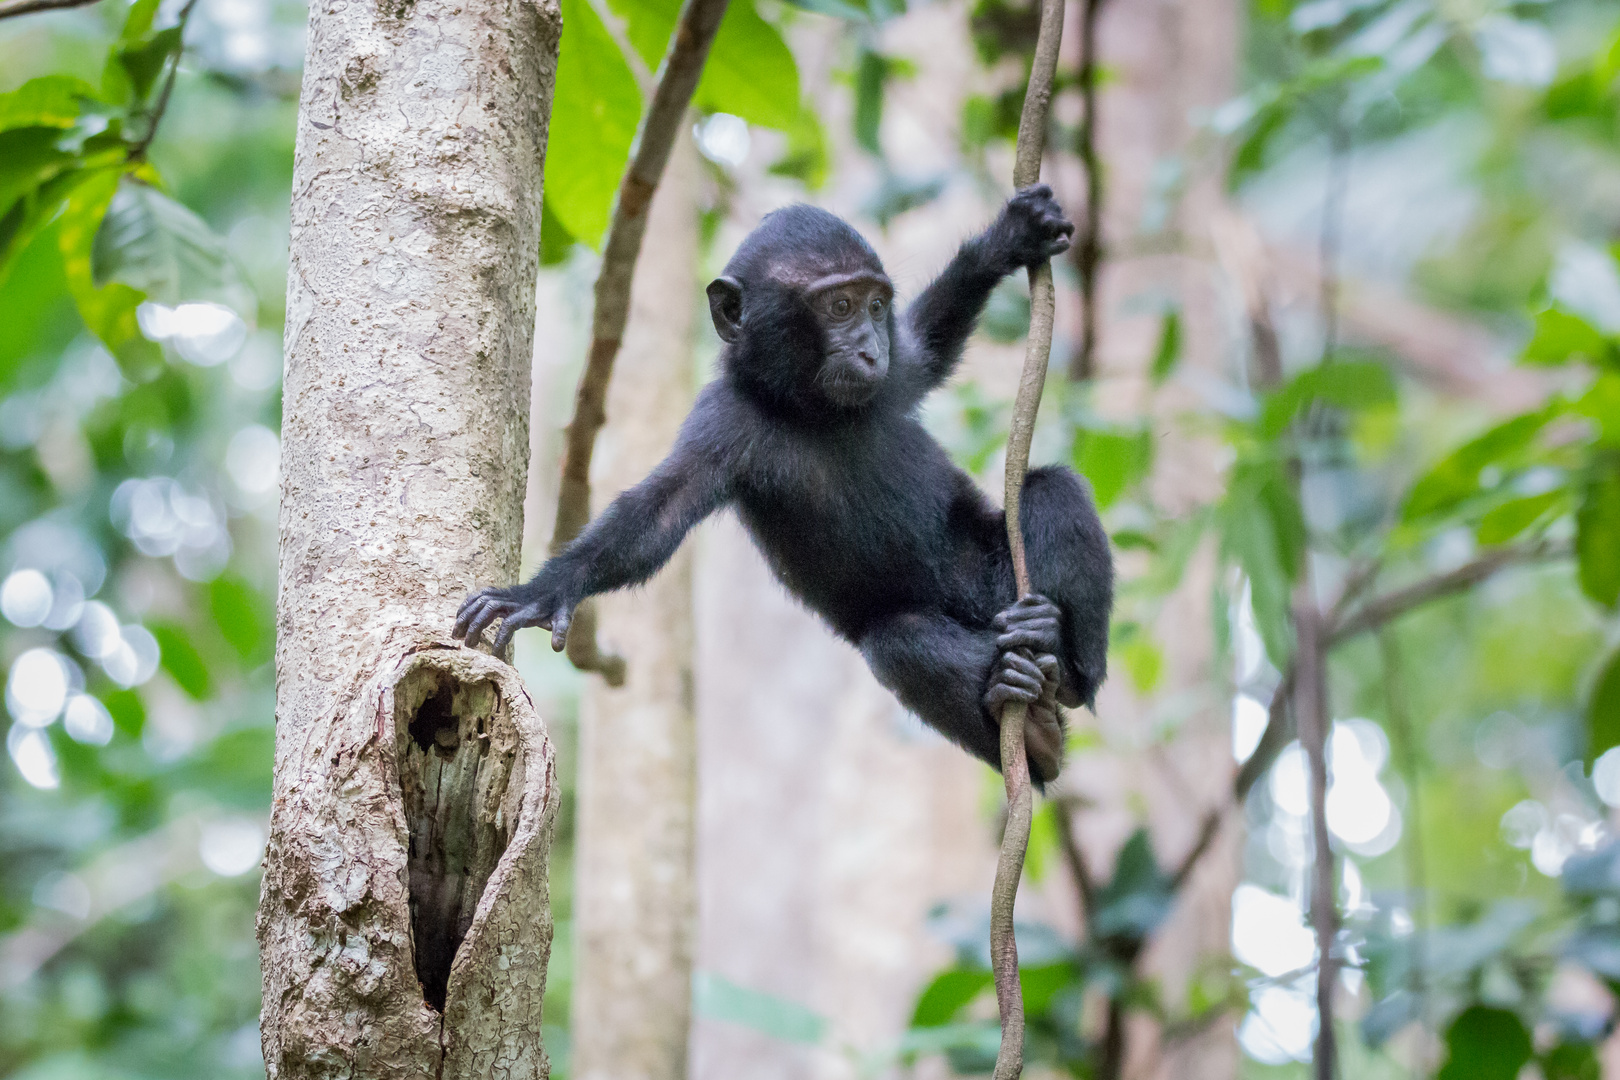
column 868, row 358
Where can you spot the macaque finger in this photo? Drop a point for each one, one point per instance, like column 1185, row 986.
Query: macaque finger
column 464, row 615
column 509, row 626
column 481, row 619
column 559, row 629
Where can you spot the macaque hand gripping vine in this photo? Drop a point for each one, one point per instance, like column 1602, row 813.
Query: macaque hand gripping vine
column 811, row 434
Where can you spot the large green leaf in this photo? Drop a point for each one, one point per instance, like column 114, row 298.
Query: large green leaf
column 595, row 107
column 1484, row 1043
column 243, row 618
column 1112, row 459
column 1561, row 337
column 1168, row 352
column 648, row 25
column 1136, row 901
column 948, row 994
column 1455, row 477
column 52, row 101
column 1347, row 384
column 1263, row 531
column 721, row 999
column 150, row 242
column 109, row 311
column 1603, row 710
column 36, row 177
column 182, row 660
column 1597, row 532
column 751, row 72
column 1601, row 404
column 1513, row 517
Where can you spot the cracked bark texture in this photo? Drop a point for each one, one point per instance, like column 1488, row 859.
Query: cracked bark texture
column 404, row 926
column 634, row 872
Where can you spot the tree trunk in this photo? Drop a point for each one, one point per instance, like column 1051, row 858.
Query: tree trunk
column 635, row 891
column 404, row 925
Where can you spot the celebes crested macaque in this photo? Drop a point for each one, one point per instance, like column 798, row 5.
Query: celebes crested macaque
column 811, row 433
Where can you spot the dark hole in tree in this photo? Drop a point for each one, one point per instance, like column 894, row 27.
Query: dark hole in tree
column 452, row 783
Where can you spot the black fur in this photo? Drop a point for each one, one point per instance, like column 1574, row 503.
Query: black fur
column 858, row 510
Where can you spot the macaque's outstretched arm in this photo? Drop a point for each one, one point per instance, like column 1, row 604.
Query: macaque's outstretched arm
column 627, row 544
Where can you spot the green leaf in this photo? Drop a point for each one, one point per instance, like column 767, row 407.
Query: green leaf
column 150, row 242
column 556, row 242
column 1513, row 517
column 182, row 660
column 1597, row 532
column 1137, row 900
column 138, row 23
column 648, row 25
column 1485, row 1043
column 1112, row 460
column 144, row 61
column 1263, row 531
column 949, row 993
column 53, row 101
column 805, row 157
column 1456, row 476
column 1601, row 404
column 1561, row 337
column 39, row 317
column 871, row 73
column 1603, row 710
column 1144, row 662
column 1571, row 1061
column 109, row 312
column 1168, row 353
column 242, row 617
column 127, row 710
column 720, row 999
column 1347, row 384
column 595, row 108
column 751, row 72
column 36, row 179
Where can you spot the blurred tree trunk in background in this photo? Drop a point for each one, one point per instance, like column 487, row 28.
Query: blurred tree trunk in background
column 1165, row 754
column 404, row 924
column 635, row 892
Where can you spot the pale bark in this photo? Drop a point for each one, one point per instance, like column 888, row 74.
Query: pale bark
column 635, row 889
column 404, row 925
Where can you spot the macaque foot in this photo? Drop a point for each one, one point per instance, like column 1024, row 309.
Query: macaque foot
column 1031, row 624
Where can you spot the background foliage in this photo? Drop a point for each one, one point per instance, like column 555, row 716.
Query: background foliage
column 145, row 160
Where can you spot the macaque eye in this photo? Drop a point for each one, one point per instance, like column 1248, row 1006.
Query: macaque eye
column 876, row 307
column 841, row 306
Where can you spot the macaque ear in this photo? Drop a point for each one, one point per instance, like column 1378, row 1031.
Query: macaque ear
column 725, row 307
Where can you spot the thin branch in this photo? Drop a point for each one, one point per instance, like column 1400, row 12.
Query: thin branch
column 1014, row 761
column 1384, row 609
column 1087, row 252
column 1417, row 886
column 666, row 112
column 138, row 151
column 1272, row 740
column 1311, row 716
column 1338, row 182
column 10, row 8
column 1075, row 859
